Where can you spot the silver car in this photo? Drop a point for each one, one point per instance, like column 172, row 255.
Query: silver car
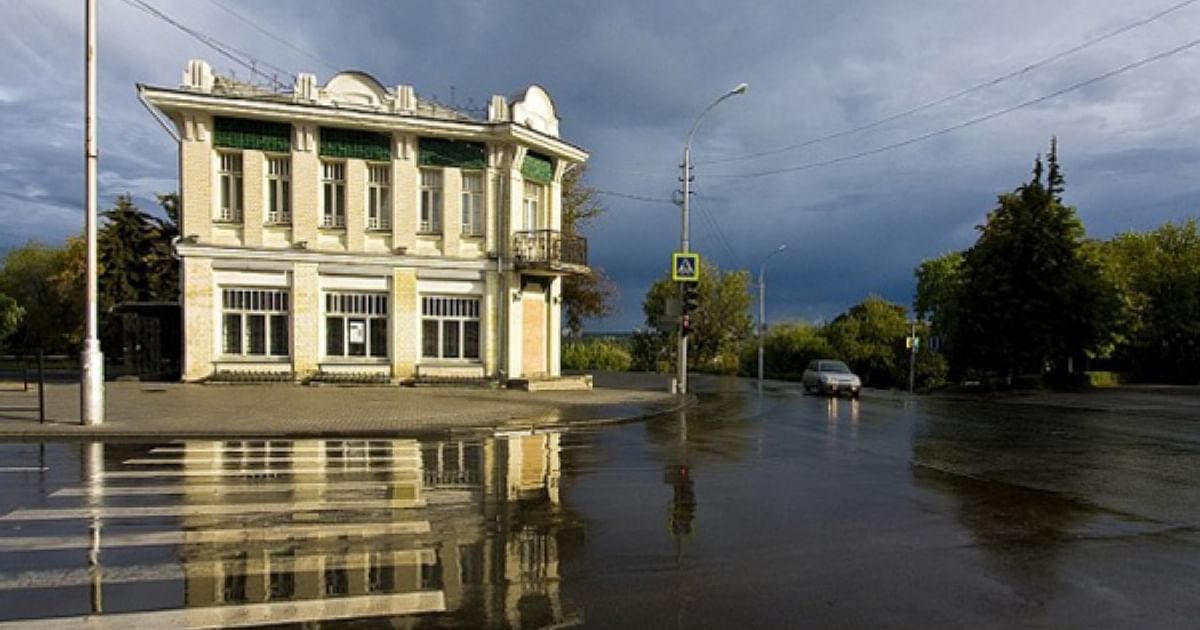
column 831, row 377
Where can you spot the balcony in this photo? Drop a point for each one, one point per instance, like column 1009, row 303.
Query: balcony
column 550, row 251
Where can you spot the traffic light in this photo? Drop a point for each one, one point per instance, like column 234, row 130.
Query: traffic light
column 691, row 297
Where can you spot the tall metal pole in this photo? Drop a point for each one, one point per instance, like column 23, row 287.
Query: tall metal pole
column 91, row 360
column 683, row 247
column 762, row 309
column 683, row 236
column 912, row 359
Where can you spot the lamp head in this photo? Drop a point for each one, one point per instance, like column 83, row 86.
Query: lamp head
column 740, row 89
column 781, row 248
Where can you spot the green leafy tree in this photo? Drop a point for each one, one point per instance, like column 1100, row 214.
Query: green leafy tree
column 1158, row 276
column 718, row 329
column 870, row 338
column 583, row 296
column 787, row 349
column 11, row 314
column 1030, row 297
column 31, row 277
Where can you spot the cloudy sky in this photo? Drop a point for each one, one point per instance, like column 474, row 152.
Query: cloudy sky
column 629, row 78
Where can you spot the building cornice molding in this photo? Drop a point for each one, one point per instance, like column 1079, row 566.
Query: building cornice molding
column 169, row 101
column 263, row 257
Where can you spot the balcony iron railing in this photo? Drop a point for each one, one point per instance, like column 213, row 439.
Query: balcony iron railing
column 550, row 248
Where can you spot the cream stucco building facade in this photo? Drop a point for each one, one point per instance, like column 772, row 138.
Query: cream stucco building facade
column 352, row 230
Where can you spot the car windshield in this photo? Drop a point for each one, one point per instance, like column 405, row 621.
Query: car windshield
column 836, row 367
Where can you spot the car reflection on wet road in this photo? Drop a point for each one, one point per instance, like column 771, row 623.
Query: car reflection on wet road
column 750, row 510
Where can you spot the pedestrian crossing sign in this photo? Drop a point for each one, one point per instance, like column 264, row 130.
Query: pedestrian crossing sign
column 685, row 267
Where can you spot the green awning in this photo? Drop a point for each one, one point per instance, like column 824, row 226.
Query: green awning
column 245, row 133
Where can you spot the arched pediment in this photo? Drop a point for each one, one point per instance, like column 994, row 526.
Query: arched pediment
column 535, row 109
column 355, row 88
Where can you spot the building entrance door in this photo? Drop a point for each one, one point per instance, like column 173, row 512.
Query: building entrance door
column 533, row 330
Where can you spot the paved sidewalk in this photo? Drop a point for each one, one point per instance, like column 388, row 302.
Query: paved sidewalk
column 157, row 410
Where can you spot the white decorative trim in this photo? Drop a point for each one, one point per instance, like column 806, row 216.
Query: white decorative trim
column 450, row 287
column 226, row 278
column 354, row 283
column 335, row 258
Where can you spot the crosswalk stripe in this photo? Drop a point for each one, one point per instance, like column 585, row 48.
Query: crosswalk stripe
column 216, row 536
column 47, row 514
column 251, row 614
column 226, row 489
column 255, row 472
column 351, row 561
column 274, row 459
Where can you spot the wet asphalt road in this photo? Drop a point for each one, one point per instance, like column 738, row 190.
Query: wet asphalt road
column 772, row 510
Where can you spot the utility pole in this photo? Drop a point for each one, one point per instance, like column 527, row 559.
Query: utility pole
column 91, row 360
column 686, row 180
column 762, row 308
column 912, row 358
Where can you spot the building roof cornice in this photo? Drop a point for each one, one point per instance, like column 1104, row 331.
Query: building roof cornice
column 171, row 101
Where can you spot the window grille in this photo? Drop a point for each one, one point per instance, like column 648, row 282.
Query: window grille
column 333, row 184
column 379, row 201
column 356, row 324
column 279, row 190
column 229, row 178
column 472, row 204
column 450, row 328
column 255, row 322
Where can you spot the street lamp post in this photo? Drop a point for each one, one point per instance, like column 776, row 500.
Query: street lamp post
column 762, row 309
column 91, row 360
column 683, row 237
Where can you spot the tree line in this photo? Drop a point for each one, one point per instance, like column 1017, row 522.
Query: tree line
column 1033, row 298
column 42, row 287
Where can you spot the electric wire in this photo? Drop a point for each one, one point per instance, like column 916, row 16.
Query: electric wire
column 961, row 93
column 224, row 7
column 240, row 57
column 633, row 197
column 968, row 123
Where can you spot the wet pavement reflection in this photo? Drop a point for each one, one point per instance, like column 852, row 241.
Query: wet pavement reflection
column 753, row 509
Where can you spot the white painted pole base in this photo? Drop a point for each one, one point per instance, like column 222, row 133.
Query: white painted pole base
column 91, row 376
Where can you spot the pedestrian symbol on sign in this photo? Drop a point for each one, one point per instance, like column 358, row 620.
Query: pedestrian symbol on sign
column 685, row 267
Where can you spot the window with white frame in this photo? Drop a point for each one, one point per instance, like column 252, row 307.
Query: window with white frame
column 533, row 205
column 333, row 194
column 450, row 327
column 472, row 203
column 356, row 324
column 254, row 322
column 279, row 190
column 431, row 202
column 379, row 197
column 229, row 179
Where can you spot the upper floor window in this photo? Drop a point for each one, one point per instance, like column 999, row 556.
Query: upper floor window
column 279, row 190
column 229, row 178
column 333, row 194
column 472, row 204
column 533, row 206
column 431, row 202
column 379, row 199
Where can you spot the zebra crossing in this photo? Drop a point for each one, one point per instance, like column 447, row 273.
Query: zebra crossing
column 204, row 534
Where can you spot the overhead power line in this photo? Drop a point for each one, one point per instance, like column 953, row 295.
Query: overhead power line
column 240, row 57
column 969, row 123
column 224, row 7
column 961, row 93
column 635, row 197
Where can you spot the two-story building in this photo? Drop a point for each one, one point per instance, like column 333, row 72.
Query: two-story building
column 353, row 229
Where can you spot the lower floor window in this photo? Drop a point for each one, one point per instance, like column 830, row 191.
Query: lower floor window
column 255, row 322
column 356, row 324
column 450, row 328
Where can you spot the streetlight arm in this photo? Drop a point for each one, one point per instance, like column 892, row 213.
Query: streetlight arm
column 740, row 89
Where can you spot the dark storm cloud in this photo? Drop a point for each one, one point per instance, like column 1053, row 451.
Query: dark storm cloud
column 629, row 78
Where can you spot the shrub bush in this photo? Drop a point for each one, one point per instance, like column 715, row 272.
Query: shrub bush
column 596, row 354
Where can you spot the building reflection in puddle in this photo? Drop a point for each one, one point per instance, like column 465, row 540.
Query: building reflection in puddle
column 313, row 530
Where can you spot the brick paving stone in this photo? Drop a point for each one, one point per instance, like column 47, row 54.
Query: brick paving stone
column 158, row 410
